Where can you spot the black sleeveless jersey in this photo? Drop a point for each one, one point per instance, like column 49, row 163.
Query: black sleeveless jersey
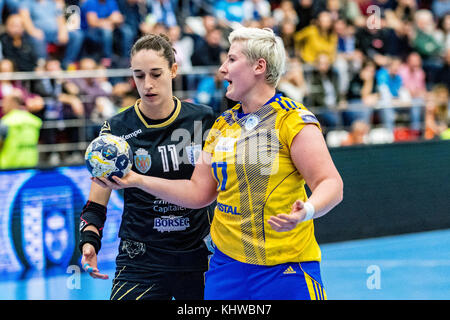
column 173, row 236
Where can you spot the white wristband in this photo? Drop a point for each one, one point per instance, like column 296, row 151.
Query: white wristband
column 309, row 211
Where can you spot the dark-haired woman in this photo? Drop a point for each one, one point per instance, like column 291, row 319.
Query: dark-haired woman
column 163, row 249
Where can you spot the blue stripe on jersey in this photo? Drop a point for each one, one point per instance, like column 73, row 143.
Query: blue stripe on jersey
column 281, row 105
column 292, row 106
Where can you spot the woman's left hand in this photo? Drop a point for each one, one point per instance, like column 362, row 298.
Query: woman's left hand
column 286, row 222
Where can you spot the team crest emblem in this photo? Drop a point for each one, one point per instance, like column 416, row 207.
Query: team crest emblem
column 193, row 152
column 142, row 160
column 251, row 122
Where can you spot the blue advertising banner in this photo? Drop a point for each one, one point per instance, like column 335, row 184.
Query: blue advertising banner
column 39, row 217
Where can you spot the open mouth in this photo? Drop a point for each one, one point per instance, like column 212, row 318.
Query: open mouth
column 150, row 95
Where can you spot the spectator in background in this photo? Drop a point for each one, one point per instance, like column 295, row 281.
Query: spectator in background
column 384, row 4
column 374, row 42
column 405, row 10
column 134, row 22
column 45, row 22
column 20, row 135
column 398, row 33
column 440, row 8
column 99, row 19
column 269, row 22
column 209, row 23
column 436, row 112
column 443, row 73
column 346, row 36
column 394, row 94
column 90, row 87
column 61, row 103
column 364, row 5
column 229, row 11
column 211, row 91
column 352, row 13
column 306, row 11
column 292, row 84
column 425, row 41
column 33, row 103
column 357, row 135
column 96, row 99
column 60, row 95
column 17, row 46
column 348, row 59
column 318, row 38
column 184, row 47
column 323, row 92
column 335, row 8
column 285, row 12
column 256, row 9
column 209, row 52
column 164, row 12
column 11, row 7
column 159, row 28
column 361, row 96
column 287, row 30
column 444, row 30
column 413, row 78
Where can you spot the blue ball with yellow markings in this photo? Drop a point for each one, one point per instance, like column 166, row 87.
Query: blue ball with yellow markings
column 108, row 156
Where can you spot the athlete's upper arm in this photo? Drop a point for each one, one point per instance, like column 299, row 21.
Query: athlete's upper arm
column 311, row 157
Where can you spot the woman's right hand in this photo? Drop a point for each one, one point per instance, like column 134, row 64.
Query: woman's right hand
column 89, row 262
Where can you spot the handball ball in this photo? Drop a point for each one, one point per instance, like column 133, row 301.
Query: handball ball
column 108, row 156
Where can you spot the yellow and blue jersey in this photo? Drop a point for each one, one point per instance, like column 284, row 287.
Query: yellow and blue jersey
column 257, row 179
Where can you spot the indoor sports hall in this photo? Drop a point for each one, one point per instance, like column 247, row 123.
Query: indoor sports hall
column 375, row 73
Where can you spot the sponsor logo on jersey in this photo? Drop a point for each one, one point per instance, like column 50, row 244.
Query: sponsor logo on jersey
column 171, row 223
column 134, row 134
column 307, row 116
column 164, row 207
column 251, row 122
column 227, row 209
column 193, row 152
column 225, row 144
column 309, row 119
column 142, row 160
column 289, row 270
column 106, row 128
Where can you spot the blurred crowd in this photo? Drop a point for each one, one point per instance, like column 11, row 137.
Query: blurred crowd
column 370, row 70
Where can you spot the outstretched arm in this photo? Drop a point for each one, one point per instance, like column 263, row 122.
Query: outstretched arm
column 312, row 159
column 99, row 196
column 195, row 193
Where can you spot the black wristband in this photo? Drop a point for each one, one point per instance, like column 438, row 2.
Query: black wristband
column 93, row 214
column 92, row 238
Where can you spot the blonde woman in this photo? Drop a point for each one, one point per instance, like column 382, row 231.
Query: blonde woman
column 256, row 161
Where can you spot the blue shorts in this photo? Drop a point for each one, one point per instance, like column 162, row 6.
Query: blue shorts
column 229, row 279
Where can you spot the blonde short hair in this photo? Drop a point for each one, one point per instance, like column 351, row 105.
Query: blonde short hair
column 263, row 43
